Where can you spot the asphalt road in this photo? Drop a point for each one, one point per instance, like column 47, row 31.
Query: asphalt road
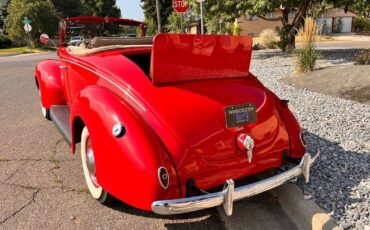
column 41, row 182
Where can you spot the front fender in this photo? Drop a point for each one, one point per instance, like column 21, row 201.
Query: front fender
column 49, row 80
column 126, row 167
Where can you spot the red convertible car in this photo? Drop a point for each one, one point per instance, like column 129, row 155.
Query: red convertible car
column 170, row 124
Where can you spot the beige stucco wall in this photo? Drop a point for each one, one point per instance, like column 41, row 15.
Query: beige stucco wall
column 253, row 27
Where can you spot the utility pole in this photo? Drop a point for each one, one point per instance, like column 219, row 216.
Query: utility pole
column 158, row 16
column 201, row 16
column 220, row 21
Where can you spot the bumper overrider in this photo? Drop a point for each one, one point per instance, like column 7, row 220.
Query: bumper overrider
column 229, row 194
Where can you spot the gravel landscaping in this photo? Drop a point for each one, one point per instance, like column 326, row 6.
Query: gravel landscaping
column 340, row 180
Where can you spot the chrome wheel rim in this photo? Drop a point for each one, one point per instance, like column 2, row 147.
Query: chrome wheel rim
column 90, row 163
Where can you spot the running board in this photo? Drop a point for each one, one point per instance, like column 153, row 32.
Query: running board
column 60, row 116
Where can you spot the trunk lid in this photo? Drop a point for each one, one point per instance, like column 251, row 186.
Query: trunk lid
column 194, row 114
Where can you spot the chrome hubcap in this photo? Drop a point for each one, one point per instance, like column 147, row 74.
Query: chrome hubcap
column 90, row 163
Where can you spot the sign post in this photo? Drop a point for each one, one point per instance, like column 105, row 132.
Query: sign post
column 201, row 16
column 181, row 7
column 28, row 28
column 158, row 16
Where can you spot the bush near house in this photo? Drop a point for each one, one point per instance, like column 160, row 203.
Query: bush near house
column 5, row 42
column 268, row 38
column 338, row 27
column 361, row 24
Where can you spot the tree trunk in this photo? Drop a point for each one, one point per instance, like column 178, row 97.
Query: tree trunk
column 291, row 39
column 297, row 23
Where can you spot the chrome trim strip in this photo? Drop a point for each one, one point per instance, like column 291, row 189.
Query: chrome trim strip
column 109, row 80
column 227, row 196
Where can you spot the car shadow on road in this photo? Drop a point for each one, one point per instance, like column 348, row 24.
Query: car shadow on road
column 337, row 177
column 205, row 219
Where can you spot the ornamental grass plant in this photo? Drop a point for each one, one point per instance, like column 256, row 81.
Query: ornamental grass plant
column 307, row 55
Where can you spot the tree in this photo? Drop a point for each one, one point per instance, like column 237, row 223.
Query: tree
column 150, row 11
column 101, row 8
column 68, row 8
column 231, row 9
column 174, row 21
column 42, row 14
column 361, row 7
column 3, row 12
column 151, row 28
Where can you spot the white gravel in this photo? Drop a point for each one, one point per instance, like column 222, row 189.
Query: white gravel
column 340, row 180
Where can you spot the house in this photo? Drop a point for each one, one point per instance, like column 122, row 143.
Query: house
column 336, row 20
column 329, row 20
column 253, row 25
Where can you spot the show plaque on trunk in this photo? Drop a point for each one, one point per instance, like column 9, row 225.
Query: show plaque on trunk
column 239, row 115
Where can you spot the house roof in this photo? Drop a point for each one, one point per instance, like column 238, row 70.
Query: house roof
column 337, row 12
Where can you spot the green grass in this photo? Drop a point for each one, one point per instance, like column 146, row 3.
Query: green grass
column 21, row 50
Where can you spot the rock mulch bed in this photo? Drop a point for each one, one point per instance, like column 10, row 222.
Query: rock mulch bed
column 340, row 180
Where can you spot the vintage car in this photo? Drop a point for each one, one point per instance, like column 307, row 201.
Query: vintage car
column 170, row 124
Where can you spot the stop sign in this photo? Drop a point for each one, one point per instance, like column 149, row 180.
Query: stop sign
column 180, row 6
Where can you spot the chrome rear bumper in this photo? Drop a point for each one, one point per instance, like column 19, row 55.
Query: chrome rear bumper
column 231, row 194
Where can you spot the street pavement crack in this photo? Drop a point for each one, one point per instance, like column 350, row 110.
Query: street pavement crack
column 13, row 173
column 23, row 207
column 56, row 163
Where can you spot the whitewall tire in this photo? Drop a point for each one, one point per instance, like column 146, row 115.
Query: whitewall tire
column 45, row 111
column 88, row 166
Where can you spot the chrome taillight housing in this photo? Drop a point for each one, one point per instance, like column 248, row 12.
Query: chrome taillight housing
column 163, row 177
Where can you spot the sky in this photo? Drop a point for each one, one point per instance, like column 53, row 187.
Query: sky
column 131, row 9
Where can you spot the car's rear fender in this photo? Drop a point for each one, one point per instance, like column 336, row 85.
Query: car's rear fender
column 127, row 166
column 297, row 148
column 49, row 82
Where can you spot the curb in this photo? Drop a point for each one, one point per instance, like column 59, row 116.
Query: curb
column 20, row 55
column 282, row 208
column 305, row 214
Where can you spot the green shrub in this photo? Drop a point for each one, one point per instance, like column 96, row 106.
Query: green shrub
column 283, row 34
column 361, row 24
column 339, row 25
column 268, row 38
column 5, row 42
column 362, row 57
